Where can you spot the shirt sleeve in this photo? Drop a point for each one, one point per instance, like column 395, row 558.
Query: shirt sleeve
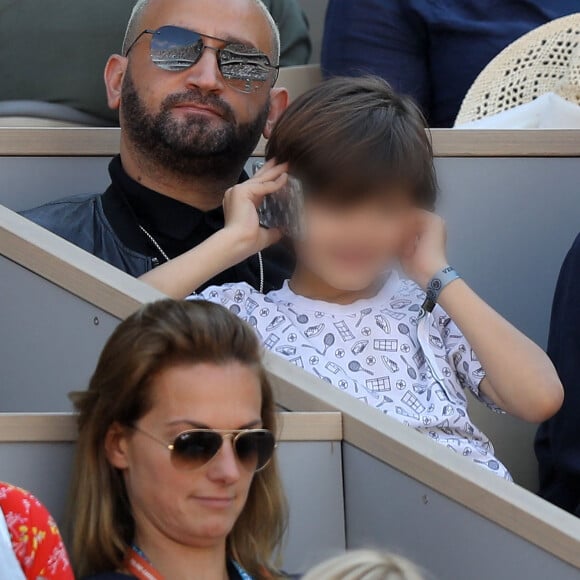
column 35, row 537
column 382, row 37
column 462, row 358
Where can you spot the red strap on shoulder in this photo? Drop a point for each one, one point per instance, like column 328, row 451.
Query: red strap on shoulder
column 140, row 568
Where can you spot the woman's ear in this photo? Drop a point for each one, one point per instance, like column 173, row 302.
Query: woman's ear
column 278, row 103
column 116, row 446
column 114, row 75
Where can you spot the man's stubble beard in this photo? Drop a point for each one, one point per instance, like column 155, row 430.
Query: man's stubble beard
column 194, row 147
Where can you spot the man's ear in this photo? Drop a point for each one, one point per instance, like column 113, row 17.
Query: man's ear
column 114, row 74
column 278, row 103
column 116, row 446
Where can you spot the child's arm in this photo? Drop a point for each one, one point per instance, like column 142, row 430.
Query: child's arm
column 519, row 376
column 241, row 238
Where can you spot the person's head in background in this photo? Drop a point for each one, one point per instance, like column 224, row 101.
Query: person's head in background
column 366, row 163
column 193, row 106
column 170, row 369
column 365, row 565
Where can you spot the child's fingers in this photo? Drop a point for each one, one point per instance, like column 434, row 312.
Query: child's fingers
column 421, row 220
column 409, row 247
column 271, row 173
column 429, row 219
column 260, row 190
column 427, row 225
column 266, row 167
column 237, row 197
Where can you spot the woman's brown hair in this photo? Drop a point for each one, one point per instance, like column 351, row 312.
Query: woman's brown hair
column 348, row 138
column 158, row 336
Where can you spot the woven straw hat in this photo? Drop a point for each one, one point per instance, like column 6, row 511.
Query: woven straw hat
column 544, row 60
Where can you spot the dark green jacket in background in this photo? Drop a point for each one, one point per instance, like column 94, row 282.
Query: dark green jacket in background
column 55, row 50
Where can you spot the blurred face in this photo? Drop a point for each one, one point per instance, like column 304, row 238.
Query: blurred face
column 197, row 508
column 191, row 121
column 349, row 247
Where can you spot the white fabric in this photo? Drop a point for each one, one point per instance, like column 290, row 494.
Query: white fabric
column 384, row 352
column 9, row 566
column 549, row 111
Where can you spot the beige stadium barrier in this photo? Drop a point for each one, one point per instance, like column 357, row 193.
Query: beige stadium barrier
column 400, row 490
column 299, row 79
column 36, row 453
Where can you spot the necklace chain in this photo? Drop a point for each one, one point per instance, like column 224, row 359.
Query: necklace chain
column 166, row 257
column 154, row 242
column 261, row 264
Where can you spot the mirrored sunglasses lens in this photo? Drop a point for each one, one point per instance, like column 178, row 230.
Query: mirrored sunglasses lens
column 175, row 49
column 195, row 449
column 255, row 449
column 245, row 72
column 244, row 79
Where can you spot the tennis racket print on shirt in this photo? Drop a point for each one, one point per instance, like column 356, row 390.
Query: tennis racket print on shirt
column 363, row 314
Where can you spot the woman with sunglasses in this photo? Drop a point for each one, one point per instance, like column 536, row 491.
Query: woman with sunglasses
column 175, row 475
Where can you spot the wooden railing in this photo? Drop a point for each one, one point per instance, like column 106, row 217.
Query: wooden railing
column 61, row 427
column 91, row 142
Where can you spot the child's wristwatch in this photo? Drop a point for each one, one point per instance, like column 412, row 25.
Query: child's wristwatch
column 439, row 281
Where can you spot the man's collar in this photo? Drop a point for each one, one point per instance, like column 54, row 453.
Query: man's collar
column 163, row 214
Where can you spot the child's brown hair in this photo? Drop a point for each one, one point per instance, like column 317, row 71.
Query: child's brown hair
column 352, row 137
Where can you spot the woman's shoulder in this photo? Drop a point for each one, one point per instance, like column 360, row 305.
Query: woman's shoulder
column 11, row 495
column 18, row 505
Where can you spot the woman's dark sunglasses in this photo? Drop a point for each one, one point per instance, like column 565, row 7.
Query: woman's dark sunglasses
column 243, row 67
column 195, row 448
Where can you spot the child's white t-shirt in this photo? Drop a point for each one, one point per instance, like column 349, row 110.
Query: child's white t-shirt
column 383, row 351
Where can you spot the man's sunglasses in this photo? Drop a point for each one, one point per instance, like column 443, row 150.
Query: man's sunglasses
column 195, row 448
column 243, row 67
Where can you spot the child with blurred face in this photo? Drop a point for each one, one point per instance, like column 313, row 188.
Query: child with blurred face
column 407, row 344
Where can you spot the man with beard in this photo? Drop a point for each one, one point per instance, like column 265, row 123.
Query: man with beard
column 194, row 90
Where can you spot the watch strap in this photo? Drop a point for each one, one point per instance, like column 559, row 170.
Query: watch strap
column 440, row 280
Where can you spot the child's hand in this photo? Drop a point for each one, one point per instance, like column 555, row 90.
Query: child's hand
column 425, row 253
column 242, row 224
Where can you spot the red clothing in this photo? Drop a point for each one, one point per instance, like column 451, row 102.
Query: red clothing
column 35, row 537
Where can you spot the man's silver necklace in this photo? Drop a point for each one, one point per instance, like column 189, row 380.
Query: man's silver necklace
column 166, row 257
